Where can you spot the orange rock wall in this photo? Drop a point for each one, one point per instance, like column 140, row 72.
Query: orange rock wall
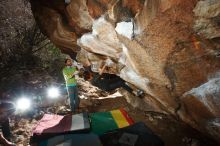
column 168, row 48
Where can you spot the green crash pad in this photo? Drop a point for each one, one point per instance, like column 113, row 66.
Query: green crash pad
column 102, row 122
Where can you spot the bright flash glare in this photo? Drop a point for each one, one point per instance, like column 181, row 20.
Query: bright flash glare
column 53, row 92
column 23, row 103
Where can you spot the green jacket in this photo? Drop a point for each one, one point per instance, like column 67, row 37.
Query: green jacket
column 69, row 77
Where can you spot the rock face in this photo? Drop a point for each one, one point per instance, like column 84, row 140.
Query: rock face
column 168, row 48
column 14, row 20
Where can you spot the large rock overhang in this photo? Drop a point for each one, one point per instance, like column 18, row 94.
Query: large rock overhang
column 166, row 48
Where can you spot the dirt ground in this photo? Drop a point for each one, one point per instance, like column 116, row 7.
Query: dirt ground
column 170, row 130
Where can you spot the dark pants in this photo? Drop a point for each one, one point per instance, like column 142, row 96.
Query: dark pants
column 6, row 129
column 8, row 109
column 109, row 82
column 73, row 95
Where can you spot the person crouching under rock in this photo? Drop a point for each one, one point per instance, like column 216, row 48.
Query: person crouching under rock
column 69, row 72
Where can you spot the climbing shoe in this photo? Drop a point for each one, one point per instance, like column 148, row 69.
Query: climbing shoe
column 140, row 92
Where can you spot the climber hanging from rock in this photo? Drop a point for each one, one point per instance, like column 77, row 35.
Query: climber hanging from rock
column 108, row 82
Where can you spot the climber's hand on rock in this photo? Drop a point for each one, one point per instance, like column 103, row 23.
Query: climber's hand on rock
column 75, row 73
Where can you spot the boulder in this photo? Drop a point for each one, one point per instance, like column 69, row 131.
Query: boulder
column 168, row 48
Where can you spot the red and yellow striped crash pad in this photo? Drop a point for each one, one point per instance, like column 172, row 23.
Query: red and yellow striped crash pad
column 102, row 122
column 56, row 124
